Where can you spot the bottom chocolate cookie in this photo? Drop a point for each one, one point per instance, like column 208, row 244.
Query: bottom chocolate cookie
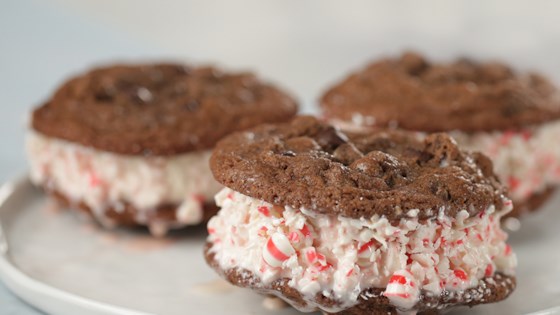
column 158, row 220
column 533, row 203
column 372, row 301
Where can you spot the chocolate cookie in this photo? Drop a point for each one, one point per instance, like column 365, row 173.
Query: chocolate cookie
column 130, row 144
column 158, row 109
column 512, row 117
column 359, row 223
column 310, row 165
column 442, row 96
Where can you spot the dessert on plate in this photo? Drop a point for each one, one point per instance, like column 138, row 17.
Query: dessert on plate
column 129, row 144
column 512, row 117
column 359, row 223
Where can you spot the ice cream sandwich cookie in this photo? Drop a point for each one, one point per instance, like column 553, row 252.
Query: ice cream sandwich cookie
column 512, row 117
column 129, row 144
column 375, row 223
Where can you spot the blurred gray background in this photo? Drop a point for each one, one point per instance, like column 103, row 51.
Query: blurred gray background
column 301, row 45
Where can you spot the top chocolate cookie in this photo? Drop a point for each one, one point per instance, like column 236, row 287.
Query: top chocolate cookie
column 158, row 109
column 412, row 93
column 309, row 164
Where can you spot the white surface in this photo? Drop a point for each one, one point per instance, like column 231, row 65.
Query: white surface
column 69, row 266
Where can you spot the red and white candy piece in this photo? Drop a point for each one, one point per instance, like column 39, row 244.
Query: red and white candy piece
column 94, row 180
column 317, row 261
column 489, row 270
column 267, row 211
column 507, row 250
column 402, row 290
column 277, row 250
column 457, row 279
column 365, row 251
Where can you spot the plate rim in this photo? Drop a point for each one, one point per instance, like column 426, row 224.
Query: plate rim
column 40, row 295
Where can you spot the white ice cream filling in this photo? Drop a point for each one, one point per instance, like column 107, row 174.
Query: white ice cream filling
column 103, row 180
column 341, row 257
column 528, row 161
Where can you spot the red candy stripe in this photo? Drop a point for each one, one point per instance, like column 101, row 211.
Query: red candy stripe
column 305, row 231
column 366, row 246
column 513, row 182
column 398, row 279
column 311, row 255
column 274, row 251
column 460, row 274
column 402, row 295
column 489, row 270
column 94, row 181
column 508, row 250
column 324, row 267
column 264, row 211
column 293, row 237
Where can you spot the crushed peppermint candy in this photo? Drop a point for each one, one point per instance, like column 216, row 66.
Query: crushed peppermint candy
column 342, row 257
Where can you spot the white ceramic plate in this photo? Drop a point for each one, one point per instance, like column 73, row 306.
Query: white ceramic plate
column 63, row 264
